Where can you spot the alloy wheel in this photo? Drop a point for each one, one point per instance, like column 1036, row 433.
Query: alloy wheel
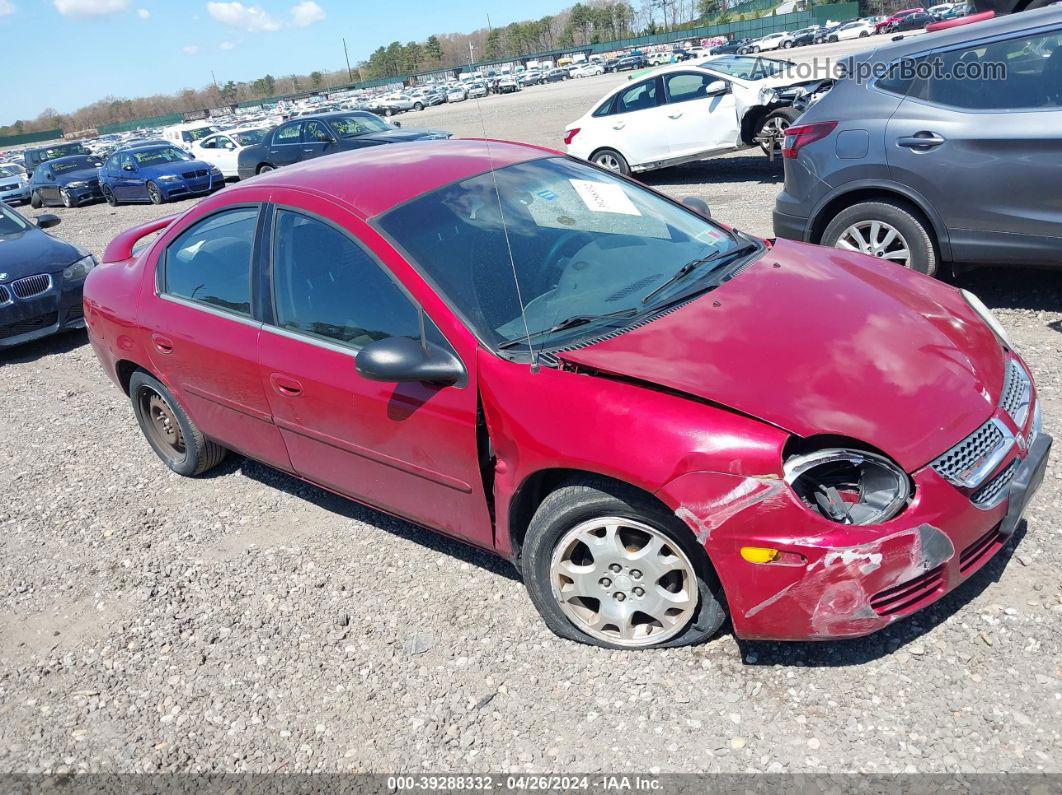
column 623, row 582
column 877, row 239
column 154, row 193
column 608, row 161
column 774, row 132
column 162, row 425
column 68, row 200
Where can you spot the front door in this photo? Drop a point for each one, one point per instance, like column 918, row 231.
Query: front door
column 204, row 343
column 286, row 146
column 696, row 122
column 129, row 184
column 316, row 140
column 986, row 152
column 634, row 123
column 407, row 448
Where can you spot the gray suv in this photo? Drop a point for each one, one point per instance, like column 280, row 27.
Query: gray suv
column 910, row 158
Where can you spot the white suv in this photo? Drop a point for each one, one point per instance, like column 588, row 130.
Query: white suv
column 773, row 41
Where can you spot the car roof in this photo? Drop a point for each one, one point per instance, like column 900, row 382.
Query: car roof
column 67, row 158
column 375, row 179
column 1011, row 23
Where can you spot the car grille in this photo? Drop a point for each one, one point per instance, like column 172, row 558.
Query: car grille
column 1017, row 393
column 193, row 174
column 981, row 549
column 28, row 325
column 995, row 491
column 32, row 285
column 12, row 186
column 967, row 463
column 5, row 295
column 908, row 594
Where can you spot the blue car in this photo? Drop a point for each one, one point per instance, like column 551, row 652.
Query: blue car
column 41, row 279
column 69, row 181
column 156, row 173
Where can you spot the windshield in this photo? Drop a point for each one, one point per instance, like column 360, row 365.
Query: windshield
column 10, row 171
column 358, row 124
column 155, row 157
column 584, row 243
column 249, row 137
column 746, row 67
column 74, row 164
column 10, row 223
column 196, row 134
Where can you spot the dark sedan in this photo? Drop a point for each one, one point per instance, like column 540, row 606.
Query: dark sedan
column 804, row 37
column 31, row 158
column 915, row 21
column 156, row 173
column 733, row 47
column 40, row 279
column 628, row 62
column 313, row 136
column 69, row 181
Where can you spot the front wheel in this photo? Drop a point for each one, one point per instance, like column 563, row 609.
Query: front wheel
column 67, row 199
column 154, row 193
column 35, row 201
column 170, row 432
column 773, row 130
column 612, row 160
column 885, row 230
column 262, row 169
column 418, row 106
column 863, row 34
column 108, row 195
column 608, row 566
column 786, row 45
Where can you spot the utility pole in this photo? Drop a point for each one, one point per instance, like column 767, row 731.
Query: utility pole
column 470, row 48
column 350, row 75
column 489, row 28
column 214, row 80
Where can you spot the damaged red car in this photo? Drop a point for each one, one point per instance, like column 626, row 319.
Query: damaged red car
column 662, row 421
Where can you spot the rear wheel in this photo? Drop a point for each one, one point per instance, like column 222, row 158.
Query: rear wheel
column 262, row 169
column 155, row 193
column 170, row 432
column 606, row 565
column 612, row 160
column 885, row 230
column 418, row 106
column 786, row 45
column 773, row 129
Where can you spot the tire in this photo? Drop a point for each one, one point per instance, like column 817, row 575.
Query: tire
column 389, row 112
column 35, row 200
column 754, row 50
column 834, row 39
column 915, row 234
column 418, row 106
column 156, row 411
column 262, row 169
column 108, row 195
column 786, row 45
column 780, row 118
column 67, row 199
column 155, row 194
column 611, row 160
column 863, row 34
column 588, row 505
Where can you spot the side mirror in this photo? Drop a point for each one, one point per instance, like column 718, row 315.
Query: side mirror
column 717, row 88
column 401, row 359
column 47, row 221
column 128, row 167
column 698, row 205
column 51, row 177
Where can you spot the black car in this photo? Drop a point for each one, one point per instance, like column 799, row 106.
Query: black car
column 308, row 137
column 70, row 181
column 627, row 62
column 31, row 158
column 823, row 35
column 556, row 76
column 915, row 21
column 40, row 279
column 802, row 38
column 732, row 47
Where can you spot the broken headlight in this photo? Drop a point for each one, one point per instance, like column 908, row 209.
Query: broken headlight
column 768, row 96
column 848, row 486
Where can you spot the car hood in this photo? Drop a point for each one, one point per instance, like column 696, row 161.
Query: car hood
column 31, row 252
column 80, row 174
column 819, row 341
column 398, row 136
column 175, row 168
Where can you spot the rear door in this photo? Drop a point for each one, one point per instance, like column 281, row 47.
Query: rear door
column 985, row 149
column 286, row 146
column 697, row 123
column 407, row 448
column 635, row 123
column 204, row 335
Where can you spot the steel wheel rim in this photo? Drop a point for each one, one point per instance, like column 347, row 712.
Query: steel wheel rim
column 608, row 161
column 776, row 128
column 161, row 425
column 623, row 582
column 876, row 239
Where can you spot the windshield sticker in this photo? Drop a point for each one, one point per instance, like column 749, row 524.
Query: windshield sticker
column 548, row 195
column 604, row 197
column 711, row 236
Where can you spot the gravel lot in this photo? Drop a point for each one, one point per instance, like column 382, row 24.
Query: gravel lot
column 247, row 622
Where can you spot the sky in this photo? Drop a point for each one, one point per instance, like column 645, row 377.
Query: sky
column 73, row 52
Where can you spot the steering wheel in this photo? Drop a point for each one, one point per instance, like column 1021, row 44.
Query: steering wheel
column 552, row 258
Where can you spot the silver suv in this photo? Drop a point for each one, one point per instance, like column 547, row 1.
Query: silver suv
column 943, row 148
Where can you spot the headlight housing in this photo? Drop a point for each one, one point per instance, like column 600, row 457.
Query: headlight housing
column 79, row 183
column 169, row 177
column 80, row 269
column 848, row 486
column 986, row 314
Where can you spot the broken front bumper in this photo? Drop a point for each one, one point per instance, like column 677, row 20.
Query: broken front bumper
column 834, row 581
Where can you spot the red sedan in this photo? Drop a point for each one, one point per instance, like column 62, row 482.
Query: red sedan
column 886, row 24
column 660, row 420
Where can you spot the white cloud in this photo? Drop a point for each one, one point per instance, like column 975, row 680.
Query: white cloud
column 250, row 18
column 227, row 45
column 143, row 13
column 306, row 13
column 190, row 49
column 93, row 8
column 6, row 7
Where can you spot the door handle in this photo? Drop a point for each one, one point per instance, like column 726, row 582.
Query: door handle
column 162, row 344
column 920, row 140
column 674, row 115
column 619, row 126
column 307, row 149
column 285, row 385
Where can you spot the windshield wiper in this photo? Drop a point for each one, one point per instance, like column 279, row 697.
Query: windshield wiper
column 716, row 256
column 568, row 322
